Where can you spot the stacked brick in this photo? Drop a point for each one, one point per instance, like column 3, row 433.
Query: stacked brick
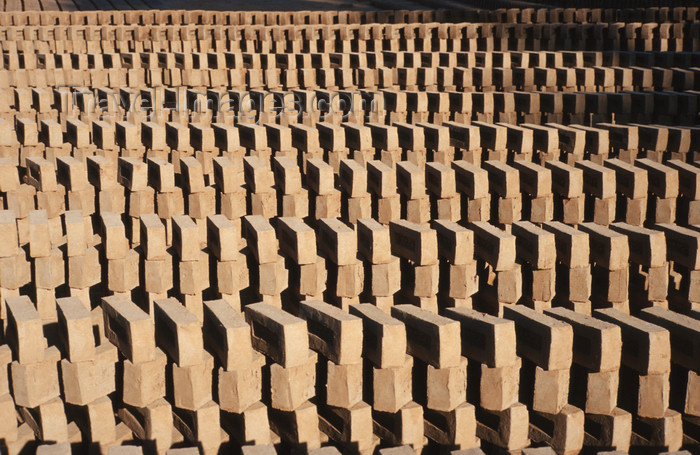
column 142, row 368
column 188, row 374
column 442, row 231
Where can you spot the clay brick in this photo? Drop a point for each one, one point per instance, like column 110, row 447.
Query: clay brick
column 543, row 340
column 332, row 332
column 385, row 337
column 413, row 242
column 75, row 329
column 129, row 329
column 178, row 332
column 278, row 334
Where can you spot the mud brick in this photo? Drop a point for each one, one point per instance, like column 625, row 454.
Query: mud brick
column 632, row 182
column 222, row 237
column 71, row 173
column 141, row 202
column 227, row 335
column 663, row 180
column 682, row 330
column 278, row 334
column 305, row 138
column 331, row 330
column 85, row 381
column 115, row 242
column 414, row 242
column 192, row 174
column 228, row 175
column 41, row 174
column 133, row 174
column 645, row 346
column 153, row 238
column 446, row 387
column 647, row 247
column 681, row 245
column 152, row 422
column 403, row 428
column 201, row 426
column 5, row 360
column 431, row 338
column 567, row 181
column 232, row 276
column 261, row 238
column 298, row 240
column 493, row 137
column 688, row 178
column 503, row 179
column 550, row 389
column 194, row 276
column 232, row 205
column 252, row 137
column 62, row 448
column 240, row 387
column 509, row 210
column 77, row 233
column 192, row 384
column 258, row 175
column 343, row 384
column 102, row 172
column 8, row 230
column 178, row 332
column 498, row 386
column 84, row 270
column 543, row 340
column 597, row 344
column 471, row 180
column 47, row 420
column 609, row 249
column 264, row 204
column 331, row 137
column 186, row 238
column 24, row 332
column 144, row 382
column 507, row 428
column 494, row 246
column 122, row 274
column 39, row 237
column 36, row 383
column 161, row 175
column 250, row 425
column 391, row 386
column 353, row 178
column 466, row 137
column 128, row 327
column 27, row 131
column 292, row 386
column 597, row 180
column 9, row 177
column 158, row 275
column 337, row 241
column 75, row 329
column 381, row 179
column 348, row 427
column 385, row 336
column 411, row 137
column 177, row 136
column 298, row 427
column 455, row 243
column 202, row 137
column 440, row 180
column 287, row 175
column 418, row 210
column 534, row 245
column 319, row 176
column 535, row 180
column 357, row 136
column 665, row 431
